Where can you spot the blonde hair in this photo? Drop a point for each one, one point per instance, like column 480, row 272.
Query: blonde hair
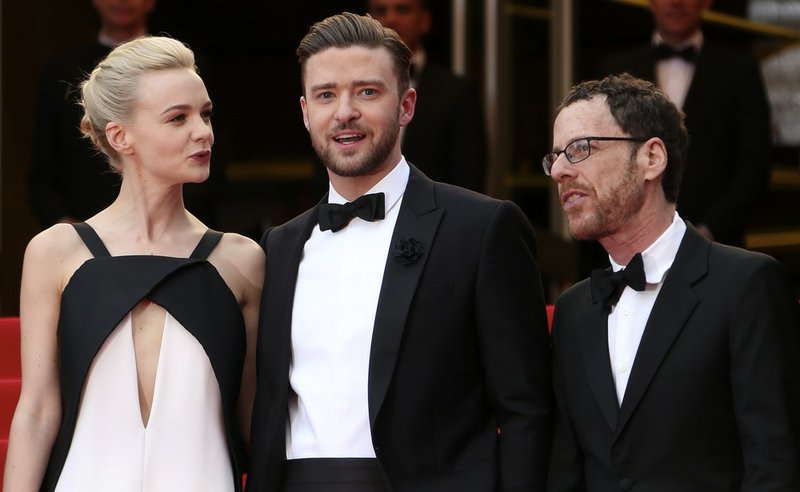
column 110, row 92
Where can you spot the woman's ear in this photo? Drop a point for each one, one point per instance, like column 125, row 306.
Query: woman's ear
column 118, row 138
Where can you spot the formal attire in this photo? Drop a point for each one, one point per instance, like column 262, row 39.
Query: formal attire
column 68, row 177
column 191, row 440
column 692, row 384
column 447, row 137
column 727, row 116
column 445, row 375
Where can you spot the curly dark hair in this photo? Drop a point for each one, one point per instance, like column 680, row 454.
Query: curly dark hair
column 642, row 111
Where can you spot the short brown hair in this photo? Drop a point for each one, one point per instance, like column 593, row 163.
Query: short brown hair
column 345, row 30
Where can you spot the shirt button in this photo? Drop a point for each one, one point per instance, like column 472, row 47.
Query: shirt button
column 626, row 312
column 623, row 369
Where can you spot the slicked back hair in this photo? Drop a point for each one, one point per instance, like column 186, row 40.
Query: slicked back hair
column 346, row 30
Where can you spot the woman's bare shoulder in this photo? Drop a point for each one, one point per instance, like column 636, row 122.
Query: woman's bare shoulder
column 241, row 249
column 56, row 242
column 54, row 254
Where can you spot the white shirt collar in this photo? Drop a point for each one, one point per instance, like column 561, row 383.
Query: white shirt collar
column 695, row 40
column 393, row 185
column 658, row 257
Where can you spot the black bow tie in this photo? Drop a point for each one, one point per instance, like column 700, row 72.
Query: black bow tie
column 607, row 286
column 335, row 217
column 665, row 52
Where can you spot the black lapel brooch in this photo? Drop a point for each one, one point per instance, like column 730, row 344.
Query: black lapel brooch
column 408, row 251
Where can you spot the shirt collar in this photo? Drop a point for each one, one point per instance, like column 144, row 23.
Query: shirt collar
column 393, row 185
column 695, row 40
column 658, row 257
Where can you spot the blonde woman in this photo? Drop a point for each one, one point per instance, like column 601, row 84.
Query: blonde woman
column 138, row 325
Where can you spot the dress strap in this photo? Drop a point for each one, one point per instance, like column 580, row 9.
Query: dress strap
column 91, row 240
column 206, row 245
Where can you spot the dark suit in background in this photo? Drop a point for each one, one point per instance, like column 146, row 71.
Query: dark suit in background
column 447, row 138
column 727, row 115
column 713, row 399
column 459, row 348
column 69, row 178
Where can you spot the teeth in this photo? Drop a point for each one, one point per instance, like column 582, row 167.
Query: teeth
column 572, row 198
column 348, row 138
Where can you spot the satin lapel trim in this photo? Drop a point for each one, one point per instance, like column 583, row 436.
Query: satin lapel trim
column 674, row 305
column 418, row 218
column 594, row 342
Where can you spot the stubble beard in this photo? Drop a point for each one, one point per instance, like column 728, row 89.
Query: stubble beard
column 349, row 166
column 623, row 201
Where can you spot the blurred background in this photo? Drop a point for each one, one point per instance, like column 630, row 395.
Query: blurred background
column 522, row 55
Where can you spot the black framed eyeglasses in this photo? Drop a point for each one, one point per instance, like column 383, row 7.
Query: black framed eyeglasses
column 579, row 150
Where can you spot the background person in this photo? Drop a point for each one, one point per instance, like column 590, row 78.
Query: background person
column 722, row 94
column 447, row 139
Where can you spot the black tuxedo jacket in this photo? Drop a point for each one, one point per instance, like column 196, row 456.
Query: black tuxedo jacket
column 447, row 137
column 727, row 115
column 459, row 349
column 712, row 399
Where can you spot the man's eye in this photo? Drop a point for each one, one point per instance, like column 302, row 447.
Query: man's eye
column 369, row 92
column 580, row 147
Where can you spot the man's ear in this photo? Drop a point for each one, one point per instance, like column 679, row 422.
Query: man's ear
column 653, row 154
column 304, row 109
column 407, row 104
column 118, row 138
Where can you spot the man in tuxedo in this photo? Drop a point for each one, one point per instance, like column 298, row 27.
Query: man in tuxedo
column 679, row 369
column 447, row 139
column 722, row 94
column 403, row 342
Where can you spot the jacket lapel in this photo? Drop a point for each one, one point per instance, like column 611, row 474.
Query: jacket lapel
column 594, row 343
column 418, row 218
column 702, row 77
column 674, row 305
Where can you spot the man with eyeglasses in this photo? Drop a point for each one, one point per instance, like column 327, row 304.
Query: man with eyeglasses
column 676, row 369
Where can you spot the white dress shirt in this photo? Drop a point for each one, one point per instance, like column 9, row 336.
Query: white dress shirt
column 674, row 75
column 629, row 317
column 335, row 303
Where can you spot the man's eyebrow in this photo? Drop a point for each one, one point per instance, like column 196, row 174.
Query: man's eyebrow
column 319, row 87
column 360, row 83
